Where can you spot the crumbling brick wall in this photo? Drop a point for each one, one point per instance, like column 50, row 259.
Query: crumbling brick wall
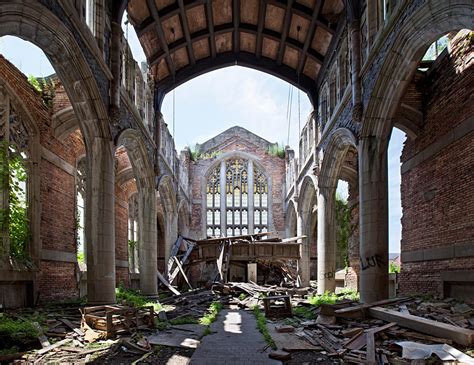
column 436, row 193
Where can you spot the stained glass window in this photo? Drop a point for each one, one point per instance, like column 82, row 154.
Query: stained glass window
column 260, row 200
column 235, row 187
column 213, row 198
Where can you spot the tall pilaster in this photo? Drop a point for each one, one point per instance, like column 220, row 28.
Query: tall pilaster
column 373, row 215
column 4, row 141
column 148, row 241
column 100, row 222
column 326, row 240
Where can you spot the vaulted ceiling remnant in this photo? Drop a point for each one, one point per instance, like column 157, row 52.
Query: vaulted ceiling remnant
column 183, row 39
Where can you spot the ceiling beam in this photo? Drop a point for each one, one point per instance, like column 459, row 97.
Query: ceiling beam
column 236, row 21
column 310, row 35
column 284, row 33
column 187, row 35
column 262, row 9
column 210, row 26
column 161, row 37
column 244, row 27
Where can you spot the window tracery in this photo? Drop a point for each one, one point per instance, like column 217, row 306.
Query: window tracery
column 236, row 199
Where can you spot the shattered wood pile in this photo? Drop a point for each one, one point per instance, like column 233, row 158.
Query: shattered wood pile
column 117, row 319
column 374, row 334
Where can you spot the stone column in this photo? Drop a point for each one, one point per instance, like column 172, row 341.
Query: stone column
column 148, row 242
column 373, row 215
column 304, row 261
column 100, row 222
column 326, row 240
column 4, row 141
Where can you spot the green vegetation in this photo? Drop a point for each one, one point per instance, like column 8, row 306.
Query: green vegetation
column 13, row 178
column 16, row 333
column 304, row 312
column 242, row 296
column 344, row 229
column 332, row 298
column 80, row 257
column 211, row 314
column 132, row 244
column 393, row 267
column 196, row 154
column 134, row 298
column 262, row 327
column 277, row 150
column 34, row 82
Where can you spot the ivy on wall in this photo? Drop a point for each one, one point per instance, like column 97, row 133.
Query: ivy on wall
column 343, row 227
column 13, row 176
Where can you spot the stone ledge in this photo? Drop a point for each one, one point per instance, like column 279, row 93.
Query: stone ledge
column 55, row 255
column 456, row 250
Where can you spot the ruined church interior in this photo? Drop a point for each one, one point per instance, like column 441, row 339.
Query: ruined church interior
column 119, row 244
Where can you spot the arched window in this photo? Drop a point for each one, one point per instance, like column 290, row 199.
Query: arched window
column 14, row 222
column 80, row 210
column 133, row 237
column 260, row 201
column 236, row 199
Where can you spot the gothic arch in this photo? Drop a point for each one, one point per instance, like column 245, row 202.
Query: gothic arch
column 184, row 217
column 332, row 166
column 142, row 166
column 433, row 19
column 291, row 219
column 32, row 22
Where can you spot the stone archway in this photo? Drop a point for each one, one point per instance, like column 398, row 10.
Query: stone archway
column 184, row 218
column 331, row 168
column 33, row 22
column 307, row 203
column 144, row 177
column 389, row 78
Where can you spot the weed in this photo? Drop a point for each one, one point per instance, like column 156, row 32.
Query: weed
column 134, row 298
column 277, row 150
column 262, row 327
column 242, row 296
column 332, row 298
column 305, row 312
column 211, row 314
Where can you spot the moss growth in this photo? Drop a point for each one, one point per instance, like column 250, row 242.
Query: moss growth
column 262, row 327
column 184, row 320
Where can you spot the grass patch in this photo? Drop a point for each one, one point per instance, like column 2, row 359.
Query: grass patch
column 211, row 315
column 262, row 327
column 135, row 299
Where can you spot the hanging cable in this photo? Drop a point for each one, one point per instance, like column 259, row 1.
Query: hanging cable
column 298, row 28
column 287, row 114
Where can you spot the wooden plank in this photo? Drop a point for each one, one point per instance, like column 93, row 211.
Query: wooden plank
column 459, row 335
column 165, row 283
column 71, row 326
column 360, row 340
column 370, row 347
column 52, row 347
column 182, row 272
column 359, row 310
column 41, row 337
column 220, row 261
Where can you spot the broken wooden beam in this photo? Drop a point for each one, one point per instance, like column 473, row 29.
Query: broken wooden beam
column 358, row 311
column 459, row 335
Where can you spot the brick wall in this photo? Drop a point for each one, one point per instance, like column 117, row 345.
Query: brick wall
column 248, row 143
column 438, row 209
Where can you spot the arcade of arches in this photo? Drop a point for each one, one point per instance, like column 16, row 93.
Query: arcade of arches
column 93, row 192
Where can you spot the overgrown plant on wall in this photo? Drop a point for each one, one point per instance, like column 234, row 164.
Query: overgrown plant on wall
column 344, row 228
column 15, row 217
column 277, row 150
column 196, row 154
